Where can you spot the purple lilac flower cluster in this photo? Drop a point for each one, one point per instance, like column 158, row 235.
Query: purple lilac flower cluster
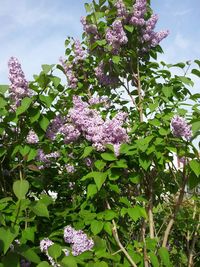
column 69, row 72
column 116, row 36
column 94, row 100
column 139, row 9
column 54, row 126
column 104, row 78
column 94, row 128
column 44, row 245
column 148, row 36
column 88, row 28
column 32, row 137
column 19, row 85
column 79, row 240
column 180, row 128
column 60, row 126
column 69, row 132
column 151, row 37
column 79, row 53
column 88, row 162
column 121, row 9
column 69, row 168
column 46, row 158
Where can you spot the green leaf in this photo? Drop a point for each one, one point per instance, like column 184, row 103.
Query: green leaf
column 3, row 102
column 7, row 236
column 101, row 42
column 129, row 28
column 137, row 212
column 164, row 255
column 195, row 126
column 87, row 7
column 154, row 259
column 24, row 150
column 109, row 215
column 167, row 91
column 197, row 62
column 96, row 226
column 47, row 100
column 91, row 190
column 20, row 188
column 29, row 254
column 2, row 151
column 44, row 122
column 87, row 151
column 116, row 59
column 32, row 154
column 134, row 178
column 179, row 65
column 55, row 251
column 144, row 163
column 100, row 164
column 196, row 72
column 40, row 209
column 108, row 228
column 28, row 234
column 100, row 179
column 101, row 264
column 108, row 156
column 69, row 261
column 186, row 80
column 195, row 166
column 163, row 132
column 43, row 264
column 34, row 115
column 56, row 81
column 46, row 68
column 25, row 104
column 3, row 89
column 10, row 260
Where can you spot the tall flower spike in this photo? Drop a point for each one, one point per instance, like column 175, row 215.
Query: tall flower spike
column 139, row 9
column 19, row 85
column 121, row 9
column 79, row 53
column 70, row 74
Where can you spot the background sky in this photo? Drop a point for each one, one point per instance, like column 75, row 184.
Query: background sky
column 35, row 31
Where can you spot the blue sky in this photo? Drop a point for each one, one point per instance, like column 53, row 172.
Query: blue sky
column 35, row 31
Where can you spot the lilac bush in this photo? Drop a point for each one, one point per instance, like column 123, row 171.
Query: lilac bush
column 96, row 153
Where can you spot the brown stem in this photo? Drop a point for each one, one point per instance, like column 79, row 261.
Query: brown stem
column 191, row 251
column 151, row 221
column 116, row 237
column 176, row 209
column 139, row 88
column 150, row 209
column 143, row 231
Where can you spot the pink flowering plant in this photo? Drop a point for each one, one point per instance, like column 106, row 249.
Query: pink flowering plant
column 102, row 169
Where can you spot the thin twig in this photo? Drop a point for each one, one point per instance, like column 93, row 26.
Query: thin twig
column 116, row 237
column 176, row 209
